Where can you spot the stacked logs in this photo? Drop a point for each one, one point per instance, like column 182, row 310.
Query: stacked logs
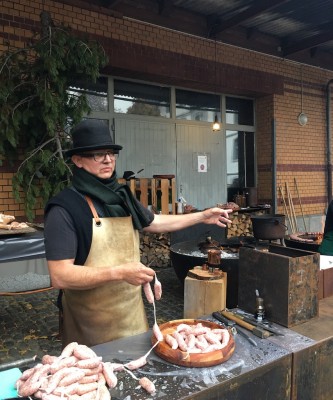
column 241, row 224
column 155, row 249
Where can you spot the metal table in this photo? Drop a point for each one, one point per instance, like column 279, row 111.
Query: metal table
column 23, row 266
column 265, row 370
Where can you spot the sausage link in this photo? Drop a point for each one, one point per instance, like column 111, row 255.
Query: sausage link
column 89, row 396
column 47, row 359
column 84, row 388
column 180, row 340
column 89, row 378
column 109, row 375
column 148, row 292
column 93, row 371
column 171, row 341
column 89, row 362
column 27, row 373
column 147, row 384
column 135, row 364
column 83, row 352
column 157, row 288
column 104, row 393
column 56, row 378
column 73, row 375
column 101, row 379
column 157, row 332
column 62, row 363
column 68, row 350
column 66, row 390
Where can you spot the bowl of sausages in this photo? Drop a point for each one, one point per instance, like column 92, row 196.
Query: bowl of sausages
column 194, row 343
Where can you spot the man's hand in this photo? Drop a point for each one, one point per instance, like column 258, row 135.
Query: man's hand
column 136, row 273
column 216, row 216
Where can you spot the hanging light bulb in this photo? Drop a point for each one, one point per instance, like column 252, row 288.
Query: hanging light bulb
column 302, row 117
column 216, row 125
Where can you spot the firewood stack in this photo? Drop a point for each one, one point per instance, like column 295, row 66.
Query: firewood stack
column 155, row 249
column 241, row 224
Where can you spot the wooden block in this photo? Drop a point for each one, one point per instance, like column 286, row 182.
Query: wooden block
column 202, row 297
column 199, row 273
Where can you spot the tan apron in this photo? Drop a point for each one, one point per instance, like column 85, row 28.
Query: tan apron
column 115, row 309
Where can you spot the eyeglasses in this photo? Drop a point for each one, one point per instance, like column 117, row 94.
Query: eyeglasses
column 101, row 156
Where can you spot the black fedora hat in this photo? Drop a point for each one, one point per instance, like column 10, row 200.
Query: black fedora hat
column 91, row 134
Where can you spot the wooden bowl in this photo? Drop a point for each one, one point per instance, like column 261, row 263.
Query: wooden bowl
column 185, row 359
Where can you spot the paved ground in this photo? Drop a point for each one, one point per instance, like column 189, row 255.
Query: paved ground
column 29, row 323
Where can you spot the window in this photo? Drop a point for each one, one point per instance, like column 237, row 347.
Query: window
column 196, row 106
column 141, row 99
column 239, row 111
column 240, row 159
column 96, row 93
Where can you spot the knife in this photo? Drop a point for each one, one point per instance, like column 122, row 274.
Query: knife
column 228, row 322
column 256, row 323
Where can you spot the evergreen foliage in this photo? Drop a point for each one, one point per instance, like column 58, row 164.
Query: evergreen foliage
column 37, row 108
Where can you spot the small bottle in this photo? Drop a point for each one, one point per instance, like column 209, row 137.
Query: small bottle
column 260, row 309
column 180, row 207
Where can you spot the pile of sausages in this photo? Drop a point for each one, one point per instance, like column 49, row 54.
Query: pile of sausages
column 197, row 338
column 77, row 374
column 188, row 338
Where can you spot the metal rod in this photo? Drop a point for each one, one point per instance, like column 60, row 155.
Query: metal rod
column 300, row 204
column 285, row 209
column 292, row 210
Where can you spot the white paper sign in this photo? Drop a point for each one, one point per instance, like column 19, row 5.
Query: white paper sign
column 326, row 262
column 202, row 163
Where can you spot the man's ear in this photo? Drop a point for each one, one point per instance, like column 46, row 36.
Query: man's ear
column 77, row 160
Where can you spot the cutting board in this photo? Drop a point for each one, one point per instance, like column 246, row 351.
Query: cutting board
column 8, row 379
column 185, row 359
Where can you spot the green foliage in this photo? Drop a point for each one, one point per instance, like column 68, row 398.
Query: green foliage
column 37, row 109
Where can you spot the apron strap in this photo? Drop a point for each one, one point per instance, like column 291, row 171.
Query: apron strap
column 98, row 222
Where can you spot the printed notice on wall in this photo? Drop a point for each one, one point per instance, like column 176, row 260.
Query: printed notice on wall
column 202, row 163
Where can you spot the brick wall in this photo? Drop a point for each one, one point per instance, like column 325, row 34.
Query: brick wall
column 143, row 51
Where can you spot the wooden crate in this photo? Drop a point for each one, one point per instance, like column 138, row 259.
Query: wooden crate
column 164, row 193
column 286, row 278
column 158, row 193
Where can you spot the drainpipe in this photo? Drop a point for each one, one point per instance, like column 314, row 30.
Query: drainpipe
column 274, row 195
column 328, row 141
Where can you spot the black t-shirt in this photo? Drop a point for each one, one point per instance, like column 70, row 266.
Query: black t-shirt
column 61, row 241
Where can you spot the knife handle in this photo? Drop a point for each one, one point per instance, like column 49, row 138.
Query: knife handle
column 238, row 320
column 221, row 318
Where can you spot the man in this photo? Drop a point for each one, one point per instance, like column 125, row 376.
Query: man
column 95, row 223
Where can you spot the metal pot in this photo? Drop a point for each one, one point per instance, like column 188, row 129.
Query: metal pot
column 269, row 227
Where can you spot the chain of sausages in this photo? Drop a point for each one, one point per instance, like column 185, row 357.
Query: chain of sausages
column 77, row 374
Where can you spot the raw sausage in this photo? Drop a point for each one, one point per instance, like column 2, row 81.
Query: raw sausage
column 171, row 341
column 157, row 332
column 148, row 292
column 147, row 384
column 83, row 352
column 135, row 364
column 109, row 375
column 157, row 288
column 68, row 350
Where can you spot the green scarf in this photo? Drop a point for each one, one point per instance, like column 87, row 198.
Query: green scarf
column 117, row 199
